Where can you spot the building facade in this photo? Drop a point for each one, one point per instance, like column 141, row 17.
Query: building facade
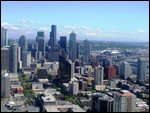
column 3, row 36
column 13, row 58
column 124, row 101
column 142, row 69
column 72, row 46
column 98, row 75
column 40, row 39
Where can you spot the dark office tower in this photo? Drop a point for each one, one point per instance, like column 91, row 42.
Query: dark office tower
column 87, row 47
column 23, row 43
column 72, row 46
column 34, row 53
column 13, row 58
column 110, row 72
column 63, row 42
column 53, row 54
column 11, row 42
column 102, row 102
column 64, row 70
column 3, row 36
column 107, row 62
column 86, row 52
column 5, row 58
column 78, row 49
column 142, row 69
column 41, row 42
column 53, row 34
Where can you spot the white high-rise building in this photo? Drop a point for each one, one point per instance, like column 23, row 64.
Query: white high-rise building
column 26, row 58
column 124, row 101
column 74, row 88
column 72, row 69
column 5, row 85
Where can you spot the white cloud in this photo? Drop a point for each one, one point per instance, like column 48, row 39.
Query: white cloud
column 9, row 26
column 23, row 21
column 91, row 33
column 75, row 27
column 140, row 31
column 84, row 30
column 44, row 29
column 6, row 24
column 14, row 28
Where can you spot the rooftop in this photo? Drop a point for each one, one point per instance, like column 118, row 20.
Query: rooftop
column 48, row 97
column 58, row 108
column 125, row 93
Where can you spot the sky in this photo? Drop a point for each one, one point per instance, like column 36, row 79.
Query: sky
column 94, row 20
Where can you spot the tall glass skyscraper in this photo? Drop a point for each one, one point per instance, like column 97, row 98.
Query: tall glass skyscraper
column 72, row 46
column 23, row 43
column 98, row 75
column 3, row 37
column 63, row 42
column 125, row 70
column 53, row 36
column 87, row 48
column 5, row 58
column 86, row 51
column 142, row 69
column 13, row 58
column 40, row 39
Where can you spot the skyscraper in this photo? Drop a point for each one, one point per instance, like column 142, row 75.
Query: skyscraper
column 3, row 36
column 19, row 54
column 72, row 46
column 64, row 70
column 99, row 74
column 110, row 72
column 124, row 101
column 23, row 43
column 74, row 88
column 78, row 49
column 87, row 47
column 102, row 102
column 142, row 69
column 107, row 62
column 26, row 58
column 13, row 58
column 125, row 70
column 5, row 85
column 5, row 58
column 53, row 35
column 19, row 58
column 11, row 42
column 40, row 39
column 86, row 51
column 63, row 42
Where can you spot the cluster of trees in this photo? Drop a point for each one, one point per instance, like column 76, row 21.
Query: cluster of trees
column 28, row 92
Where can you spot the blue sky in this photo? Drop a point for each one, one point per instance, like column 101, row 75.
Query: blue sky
column 114, row 21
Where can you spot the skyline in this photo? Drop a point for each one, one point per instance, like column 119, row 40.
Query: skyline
column 104, row 21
